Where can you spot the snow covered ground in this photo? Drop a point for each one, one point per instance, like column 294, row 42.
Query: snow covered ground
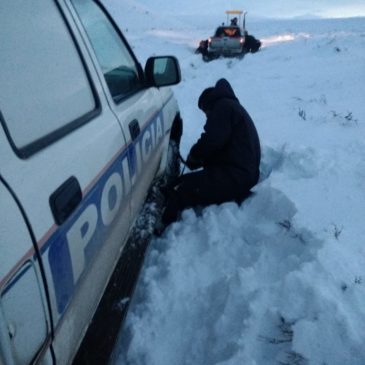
column 280, row 279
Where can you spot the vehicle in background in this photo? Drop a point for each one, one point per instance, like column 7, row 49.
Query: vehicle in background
column 230, row 39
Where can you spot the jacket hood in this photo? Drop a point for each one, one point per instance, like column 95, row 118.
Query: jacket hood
column 209, row 96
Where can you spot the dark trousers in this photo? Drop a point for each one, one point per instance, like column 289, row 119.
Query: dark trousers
column 202, row 188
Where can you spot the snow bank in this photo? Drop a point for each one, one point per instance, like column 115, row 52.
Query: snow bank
column 279, row 279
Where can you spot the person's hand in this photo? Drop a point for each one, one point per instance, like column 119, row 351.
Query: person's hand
column 192, row 163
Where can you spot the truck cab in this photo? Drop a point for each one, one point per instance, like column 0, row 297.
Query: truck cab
column 227, row 41
column 84, row 130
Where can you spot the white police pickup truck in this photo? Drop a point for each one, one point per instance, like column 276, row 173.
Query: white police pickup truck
column 83, row 132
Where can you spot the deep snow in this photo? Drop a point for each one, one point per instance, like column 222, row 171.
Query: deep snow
column 281, row 278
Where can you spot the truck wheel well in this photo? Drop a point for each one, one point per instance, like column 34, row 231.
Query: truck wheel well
column 177, row 129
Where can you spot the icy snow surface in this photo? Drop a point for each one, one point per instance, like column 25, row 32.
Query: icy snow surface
column 280, row 279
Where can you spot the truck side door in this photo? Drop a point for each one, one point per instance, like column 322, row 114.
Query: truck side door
column 63, row 154
column 138, row 109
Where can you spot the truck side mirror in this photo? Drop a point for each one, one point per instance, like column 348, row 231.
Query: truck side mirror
column 162, row 71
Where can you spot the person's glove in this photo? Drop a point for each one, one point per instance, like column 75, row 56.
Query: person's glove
column 192, row 163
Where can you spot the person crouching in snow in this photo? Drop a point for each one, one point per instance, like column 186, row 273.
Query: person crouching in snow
column 228, row 151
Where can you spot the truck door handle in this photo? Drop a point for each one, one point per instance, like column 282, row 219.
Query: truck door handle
column 64, row 200
column 134, row 129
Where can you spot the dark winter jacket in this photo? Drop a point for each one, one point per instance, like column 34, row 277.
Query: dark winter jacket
column 230, row 140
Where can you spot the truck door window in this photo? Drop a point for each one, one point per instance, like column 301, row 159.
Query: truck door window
column 45, row 92
column 117, row 63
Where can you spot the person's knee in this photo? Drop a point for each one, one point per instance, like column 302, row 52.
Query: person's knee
column 172, row 208
column 178, row 198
